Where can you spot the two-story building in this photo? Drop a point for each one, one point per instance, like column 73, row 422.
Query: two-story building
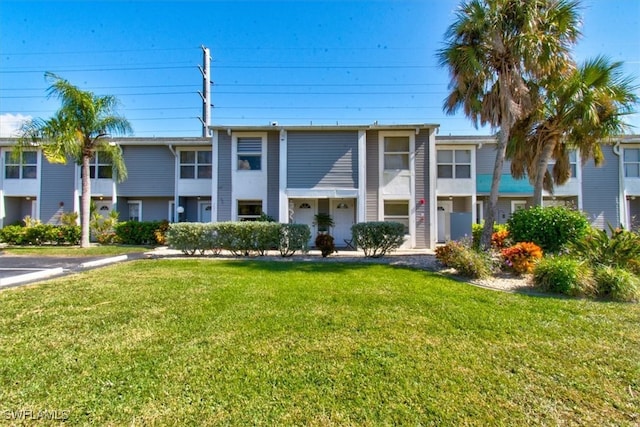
column 436, row 186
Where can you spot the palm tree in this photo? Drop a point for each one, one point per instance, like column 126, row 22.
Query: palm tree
column 491, row 50
column 579, row 109
column 79, row 129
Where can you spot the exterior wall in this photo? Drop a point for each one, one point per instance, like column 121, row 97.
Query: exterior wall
column 151, row 172
column 224, row 177
column 153, row 208
column 318, row 159
column 56, row 186
column 423, row 217
column 273, row 174
column 600, row 200
column 373, row 176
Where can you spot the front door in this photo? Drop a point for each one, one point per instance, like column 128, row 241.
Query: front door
column 343, row 212
column 303, row 213
column 445, row 207
column 204, row 211
column 103, row 207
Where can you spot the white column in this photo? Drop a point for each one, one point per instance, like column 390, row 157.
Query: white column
column 362, row 176
column 283, row 208
column 432, row 201
column 214, row 176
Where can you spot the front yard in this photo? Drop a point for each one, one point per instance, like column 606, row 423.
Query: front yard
column 204, row 342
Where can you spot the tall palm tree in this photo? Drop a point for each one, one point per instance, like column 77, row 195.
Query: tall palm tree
column 79, row 129
column 579, row 109
column 491, row 49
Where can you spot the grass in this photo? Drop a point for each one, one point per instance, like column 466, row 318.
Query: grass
column 74, row 251
column 202, row 342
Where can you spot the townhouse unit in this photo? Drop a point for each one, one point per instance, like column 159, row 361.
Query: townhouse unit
column 436, row 186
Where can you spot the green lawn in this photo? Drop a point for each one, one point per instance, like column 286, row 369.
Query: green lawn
column 74, row 251
column 203, row 342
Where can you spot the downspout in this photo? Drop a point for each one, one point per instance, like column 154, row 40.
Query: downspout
column 622, row 194
column 175, row 183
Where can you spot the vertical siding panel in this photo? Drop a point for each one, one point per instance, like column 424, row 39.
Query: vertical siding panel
column 373, row 176
column 151, row 171
column 422, row 189
column 273, row 174
column 322, row 159
column 56, row 183
column 600, row 190
column 224, row 177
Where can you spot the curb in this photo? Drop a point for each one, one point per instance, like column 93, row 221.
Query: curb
column 28, row 277
column 104, row 261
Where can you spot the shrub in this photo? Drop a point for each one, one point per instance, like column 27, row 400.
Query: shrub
column 325, row 243
column 377, row 238
column 13, row 235
column 160, row 233
column 617, row 283
column 102, row 228
column 40, row 234
column 292, row 238
column 185, row 237
column 498, row 237
column 564, row 275
column 551, row 228
column 522, row 257
column 69, row 218
column 619, row 249
column 140, row 232
column 467, row 261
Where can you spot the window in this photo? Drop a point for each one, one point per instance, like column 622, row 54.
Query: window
column 632, row 162
column 23, row 166
column 135, row 210
column 250, row 153
column 454, row 164
column 397, row 211
column 195, row 164
column 249, row 210
column 102, row 163
column 396, row 152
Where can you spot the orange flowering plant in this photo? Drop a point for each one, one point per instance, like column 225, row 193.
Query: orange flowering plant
column 522, row 257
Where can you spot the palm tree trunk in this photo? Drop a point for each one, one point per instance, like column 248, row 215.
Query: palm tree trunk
column 492, row 212
column 85, row 202
column 541, row 171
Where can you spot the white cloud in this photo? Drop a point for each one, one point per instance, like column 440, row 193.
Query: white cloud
column 10, row 123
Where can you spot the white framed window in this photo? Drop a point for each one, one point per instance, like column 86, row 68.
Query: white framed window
column 632, row 162
column 454, row 164
column 249, row 151
column 249, row 210
column 101, row 166
column 517, row 205
column 397, row 211
column 135, row 210
column 397, row 150
column 195, row 164
column 21, row 166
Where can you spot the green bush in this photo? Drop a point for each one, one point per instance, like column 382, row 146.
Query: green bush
column 618, row 283
column 468, row 262
column 185, row 237
column 377, row 238
column 40, row 234
column 619, row 248
column 292, row 238
column 476, row 232
column 551, row 228
column 137, row 232
column 564, row 275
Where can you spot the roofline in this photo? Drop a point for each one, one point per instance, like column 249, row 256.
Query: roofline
column 277, row 126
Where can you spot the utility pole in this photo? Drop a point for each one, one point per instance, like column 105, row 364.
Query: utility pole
column 206, row 91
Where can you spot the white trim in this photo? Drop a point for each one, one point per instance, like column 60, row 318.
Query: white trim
column 479, row 207
column 361, row 200
column 236, row 194
column 283, row 207
column 134, row 202
column 171, row 212
column 433, row 208
column 215, row 149
column 322, row 193
column 515, row 203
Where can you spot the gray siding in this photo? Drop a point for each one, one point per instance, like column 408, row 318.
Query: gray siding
column 486, row 158
column 373, row 176
column 56, row 187
column 151, row 171
column 600, row 191
column 422, row 190
column 224, row 177
column 322, row 159
column 273, row 174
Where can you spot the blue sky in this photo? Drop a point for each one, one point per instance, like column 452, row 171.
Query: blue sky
column 294, row 62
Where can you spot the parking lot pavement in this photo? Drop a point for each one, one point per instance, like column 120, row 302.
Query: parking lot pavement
column 20, row 270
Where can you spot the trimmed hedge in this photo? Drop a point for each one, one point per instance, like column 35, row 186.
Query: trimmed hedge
column 551, row 228
column 40, row 234
column 240, row 238
column 376, row 238
column 140, row 232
